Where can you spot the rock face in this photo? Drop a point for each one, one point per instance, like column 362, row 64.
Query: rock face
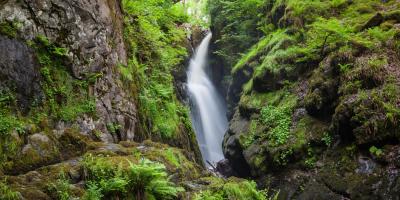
column 92, row 32
column 316, row 124
column 19, row 69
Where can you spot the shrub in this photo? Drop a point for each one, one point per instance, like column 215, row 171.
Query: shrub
column 93, row 192
column 171, row 157
column 144, row 180
column 150, row 181
column 237, row 23
column 327, row 139
column 8, row 123
column 234, row 189
column 113, row 128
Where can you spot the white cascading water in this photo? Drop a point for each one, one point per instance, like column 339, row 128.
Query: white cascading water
column 208, row 111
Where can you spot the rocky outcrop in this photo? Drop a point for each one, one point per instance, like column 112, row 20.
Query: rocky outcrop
column 92, row 33
column 37, row 183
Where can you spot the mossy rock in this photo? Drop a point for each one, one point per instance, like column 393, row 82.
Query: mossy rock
column 41, row 150
column 48, row 148
column 323, row 87
column 368, row 117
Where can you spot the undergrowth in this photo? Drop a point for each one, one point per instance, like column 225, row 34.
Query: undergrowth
column 234, row 189
column 127, row 180
column 156, row 48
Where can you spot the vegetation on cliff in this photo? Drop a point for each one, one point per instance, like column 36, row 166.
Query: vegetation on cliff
column 157, row 46
column 90, row 103
column 314, row 77
column 69, row 96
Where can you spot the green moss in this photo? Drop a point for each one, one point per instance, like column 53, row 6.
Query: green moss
column 232, row 189
column 309, row 129
column 248, row 139
column 374, row 113
column 156, row 48
column 9, row 29
column 174, row 160
column 113, row 128
column 171, row 157
column 66, row 98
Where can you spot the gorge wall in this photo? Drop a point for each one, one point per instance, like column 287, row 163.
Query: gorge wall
column 86, row 79
column 313, row 92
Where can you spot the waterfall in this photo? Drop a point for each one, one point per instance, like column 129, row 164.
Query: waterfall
column 208, row 110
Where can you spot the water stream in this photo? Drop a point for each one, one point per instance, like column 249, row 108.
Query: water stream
column 208, row 110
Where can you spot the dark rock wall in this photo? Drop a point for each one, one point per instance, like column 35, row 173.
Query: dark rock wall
column 92, row 32
column 19, row 69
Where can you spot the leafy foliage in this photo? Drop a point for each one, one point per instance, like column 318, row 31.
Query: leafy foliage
column 279, row 119
column 150, row 180
column 144, row 180
column 9, row 29
column 376, row 151
column 61, row 187
column 156, row 49
column 6, row 193
column 66, row 97
column 234, row 189
column 237, row 22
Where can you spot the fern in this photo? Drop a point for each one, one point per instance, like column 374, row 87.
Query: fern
column 234, row 189
column 149, row 179
column 143, row 180
column 93, row 192
column 6, row 193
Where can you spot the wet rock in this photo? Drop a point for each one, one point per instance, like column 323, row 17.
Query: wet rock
column 75, row 175
column 235, row 89
column 225, row 169
column 315, row 191
column 19, row 69
column 232, row 148
column 39, row 151
column 376, row 20
column 257, row 158
column 366, row 165
column 269, row 81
